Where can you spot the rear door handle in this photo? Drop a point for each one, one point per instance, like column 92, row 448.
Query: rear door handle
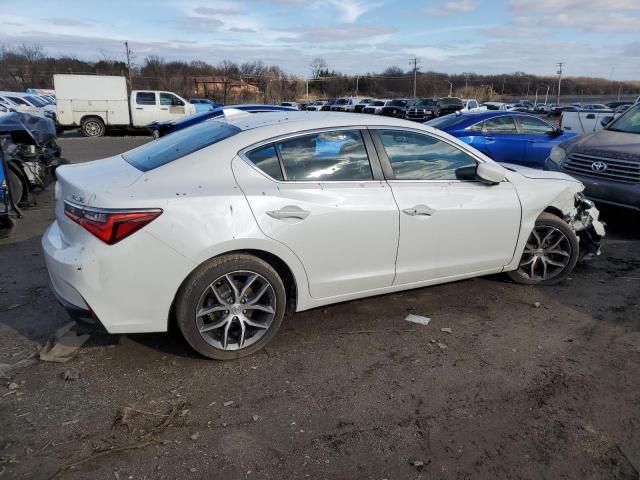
column 289, row 212
column 139, row 108
column 419, row 210
column 491, row 139
column 165, row 108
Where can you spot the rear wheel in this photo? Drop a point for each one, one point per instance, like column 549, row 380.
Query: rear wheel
column 550, row 255
column 92, row 127
column 231, row 306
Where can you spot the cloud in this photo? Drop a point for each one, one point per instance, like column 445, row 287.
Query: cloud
column 242, row 30
column 207, row 11
column 199, row 24
column 350, row 10
column 451, row 8
column 69, row 22
column 336, row 33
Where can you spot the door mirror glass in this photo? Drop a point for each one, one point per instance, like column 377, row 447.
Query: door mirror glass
column 490, row 173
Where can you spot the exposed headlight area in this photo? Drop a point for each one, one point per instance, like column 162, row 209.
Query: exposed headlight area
column 557, row 155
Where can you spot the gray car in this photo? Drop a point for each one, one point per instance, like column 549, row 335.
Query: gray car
column 607, row 162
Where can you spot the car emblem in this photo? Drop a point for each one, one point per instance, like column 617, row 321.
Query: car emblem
column 77, row 198
column 598, row 166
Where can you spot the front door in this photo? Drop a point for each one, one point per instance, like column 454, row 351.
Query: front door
column 321, row 195
column 171, row 107
column 540, row 138
column 450, row 224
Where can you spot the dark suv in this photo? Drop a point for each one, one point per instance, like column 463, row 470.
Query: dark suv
column 423, row 110
column 398, row 107
column 607, row 162
column 447, row 105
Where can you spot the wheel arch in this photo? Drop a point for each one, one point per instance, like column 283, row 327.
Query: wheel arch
column 294, row 285
column 92, row 115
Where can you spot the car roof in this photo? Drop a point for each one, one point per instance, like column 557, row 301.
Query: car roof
column 310, row 120
column 468, row 118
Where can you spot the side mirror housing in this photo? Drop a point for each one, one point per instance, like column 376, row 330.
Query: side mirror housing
column 490, row 173
column 606, row 120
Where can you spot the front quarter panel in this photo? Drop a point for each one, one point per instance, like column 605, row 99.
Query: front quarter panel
column 536, row 196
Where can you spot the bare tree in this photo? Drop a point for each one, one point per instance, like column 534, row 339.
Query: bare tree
column 318, row 67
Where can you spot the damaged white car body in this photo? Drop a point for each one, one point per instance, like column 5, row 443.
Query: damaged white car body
column 227, row 224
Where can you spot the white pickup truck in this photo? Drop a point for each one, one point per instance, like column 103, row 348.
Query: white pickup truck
column 95, row 102
column 586, row 121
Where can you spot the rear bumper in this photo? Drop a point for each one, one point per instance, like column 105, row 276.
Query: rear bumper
column 129, row 287
column 617, row 194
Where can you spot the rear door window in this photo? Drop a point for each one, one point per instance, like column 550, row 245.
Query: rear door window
column 327, row 156
column 170, row 99
column 534, row 126
column 266, row 159
column 146, row 98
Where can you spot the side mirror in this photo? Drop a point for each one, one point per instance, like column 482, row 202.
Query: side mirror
column 606, row 120
column 490, row 173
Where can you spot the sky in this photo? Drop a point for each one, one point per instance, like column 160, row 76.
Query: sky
column 592, row 37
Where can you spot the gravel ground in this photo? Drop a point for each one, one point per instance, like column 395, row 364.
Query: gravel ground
column 531, row 382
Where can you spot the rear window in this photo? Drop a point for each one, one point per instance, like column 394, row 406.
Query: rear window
column 179, row 144
column 446, row 121
column 450, row 101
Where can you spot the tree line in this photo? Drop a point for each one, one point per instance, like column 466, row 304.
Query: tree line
column 28, row 66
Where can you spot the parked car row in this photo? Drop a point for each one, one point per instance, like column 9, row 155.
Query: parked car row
column 411, row 109
column 42, row 105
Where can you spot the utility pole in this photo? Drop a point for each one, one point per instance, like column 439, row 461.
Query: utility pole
column 414, row 61
column 559, row 65
column 128, row 52
column 357, row 84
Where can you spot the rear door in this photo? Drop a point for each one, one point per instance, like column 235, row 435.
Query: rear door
column 171, row 107
column 450, row 224
column 539, row 137
column 501, row 140
column 145, row 108
column 322, row 194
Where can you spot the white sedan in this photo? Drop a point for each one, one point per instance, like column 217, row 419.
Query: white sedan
column 228, row 224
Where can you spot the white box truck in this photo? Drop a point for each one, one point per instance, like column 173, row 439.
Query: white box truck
column 96, row 102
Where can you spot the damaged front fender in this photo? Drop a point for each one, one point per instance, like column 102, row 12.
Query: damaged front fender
column 585, row 221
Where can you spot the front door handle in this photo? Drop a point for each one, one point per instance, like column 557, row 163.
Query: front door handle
column 490, row 139
column 419, row 210
column 165, row 108
column 289, row 212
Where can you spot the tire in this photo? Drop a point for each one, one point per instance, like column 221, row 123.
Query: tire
column 92, row 127
column 550, row 255
column 16, row 186
column 217, row 334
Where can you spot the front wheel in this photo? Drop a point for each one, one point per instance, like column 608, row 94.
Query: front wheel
column 231, row 306
column 550, row 254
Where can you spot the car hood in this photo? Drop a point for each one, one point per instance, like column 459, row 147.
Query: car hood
column 538, row 174
column 608, row 143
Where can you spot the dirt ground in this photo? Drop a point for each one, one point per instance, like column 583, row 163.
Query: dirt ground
column 531, row 383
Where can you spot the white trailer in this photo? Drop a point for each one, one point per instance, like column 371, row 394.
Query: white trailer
column 95, row 102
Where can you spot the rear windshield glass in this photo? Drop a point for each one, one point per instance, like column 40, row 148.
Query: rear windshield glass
column 179, row 144
column 446, row 121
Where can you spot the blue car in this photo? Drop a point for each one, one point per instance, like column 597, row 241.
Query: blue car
column 505, row 136
column 160, row 129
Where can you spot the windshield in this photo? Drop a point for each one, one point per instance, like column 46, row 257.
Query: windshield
column 377, row 104
column 629, row 122
column 450, row 101
column 427, row 102
column 179, row 144
column 446, row 121
column 398, row 103
column 342, row 101
column 36, row 101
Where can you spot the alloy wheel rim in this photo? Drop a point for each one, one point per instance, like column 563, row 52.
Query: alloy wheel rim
column 546, row 254
column 236, row 310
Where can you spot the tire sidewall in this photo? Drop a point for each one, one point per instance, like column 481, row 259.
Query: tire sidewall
column 556, row 222
column 16, row 185
column 190, row 292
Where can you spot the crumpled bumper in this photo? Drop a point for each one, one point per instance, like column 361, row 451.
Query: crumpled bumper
column 588, row 227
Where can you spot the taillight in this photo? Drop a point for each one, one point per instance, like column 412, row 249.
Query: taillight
column 110, row 225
